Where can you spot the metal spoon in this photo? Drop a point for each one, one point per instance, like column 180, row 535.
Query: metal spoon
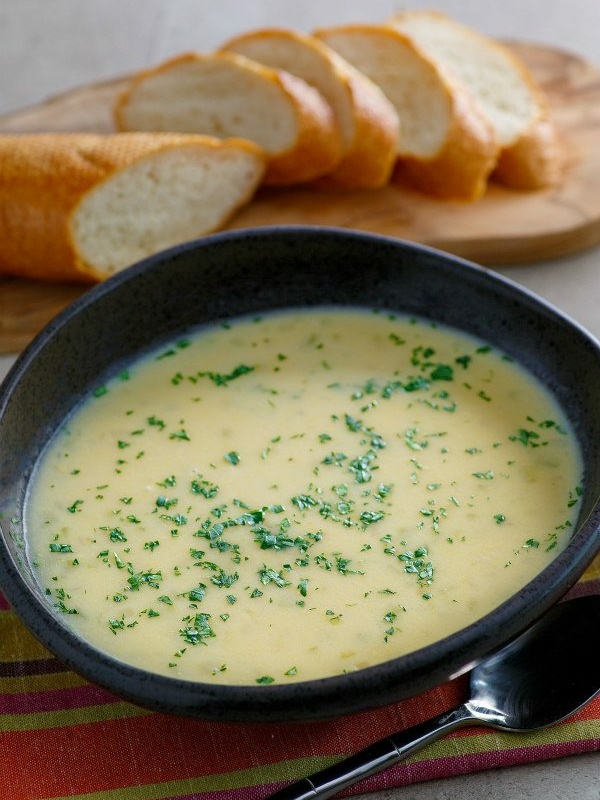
column 537, row 680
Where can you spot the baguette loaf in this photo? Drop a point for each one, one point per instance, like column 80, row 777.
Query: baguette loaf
column 367, row 121
column 446, row 147
column 512, row 101
column 225, row 94
column 81, row 206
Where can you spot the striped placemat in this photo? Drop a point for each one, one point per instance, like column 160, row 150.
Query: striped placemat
column 62, row 737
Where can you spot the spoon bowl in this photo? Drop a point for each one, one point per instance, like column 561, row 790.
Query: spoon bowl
column 545, row 674
column 535, row 681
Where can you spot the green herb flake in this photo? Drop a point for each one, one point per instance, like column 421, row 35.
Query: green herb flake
column 526, row 437
column 198, row 631
column 55, row 547
column 204, row 488
column 180, row 435
column 268, row 575
column 164, row 502
column 442, row 372
column 222, row 379
column 148, row 578
column 156, row 422
column 531, row 544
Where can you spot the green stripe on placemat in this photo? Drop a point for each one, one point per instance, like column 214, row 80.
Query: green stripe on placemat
column 223, row 781
column 479, row 742
column 64, row 718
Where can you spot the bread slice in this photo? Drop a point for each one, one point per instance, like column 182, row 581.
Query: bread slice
column 446, row 146
column 225, row 94
column 81, row 206
column 367, row 121
column 530, row 154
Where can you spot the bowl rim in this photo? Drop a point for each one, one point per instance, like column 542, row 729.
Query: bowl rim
column 299, row 700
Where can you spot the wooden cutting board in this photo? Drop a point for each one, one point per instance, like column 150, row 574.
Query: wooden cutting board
column 504, row 227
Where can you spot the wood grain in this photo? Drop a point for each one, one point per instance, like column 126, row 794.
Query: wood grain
column 505, row 227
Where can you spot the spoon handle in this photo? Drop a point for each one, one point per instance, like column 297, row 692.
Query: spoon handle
column 374, row 758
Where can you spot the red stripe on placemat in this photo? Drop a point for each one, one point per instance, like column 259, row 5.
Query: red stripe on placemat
column 584, row 588
column 169, row 748
column 4, row 604
column 407, row 774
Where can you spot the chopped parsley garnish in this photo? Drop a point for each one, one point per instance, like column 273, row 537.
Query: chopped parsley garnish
column 222, row 379
column 55, row 547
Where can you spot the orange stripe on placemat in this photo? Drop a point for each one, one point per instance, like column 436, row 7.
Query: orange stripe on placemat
column 102, row 758
column 248, row 784
column 115, row 771
column 168, row 748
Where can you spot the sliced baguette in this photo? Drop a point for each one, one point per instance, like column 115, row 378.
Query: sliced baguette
column 367, row 121
column 225, row 94
column 446, row 146
column 530, row 154
column 81, row 206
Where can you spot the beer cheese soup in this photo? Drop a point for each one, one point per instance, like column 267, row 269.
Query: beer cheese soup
column 300, row 495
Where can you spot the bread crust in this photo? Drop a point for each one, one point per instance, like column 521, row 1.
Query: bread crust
column 317, row 148
column 370, row 161
column 535, row 161
column 461, row 169
column 44, row 178
column 462, row 165
column 369, row 148
column 534, row 158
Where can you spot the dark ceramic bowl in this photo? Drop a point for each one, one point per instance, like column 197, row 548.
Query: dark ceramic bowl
column 252, row 271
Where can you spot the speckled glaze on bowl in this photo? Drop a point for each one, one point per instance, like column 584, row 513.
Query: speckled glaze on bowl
column 250, row 271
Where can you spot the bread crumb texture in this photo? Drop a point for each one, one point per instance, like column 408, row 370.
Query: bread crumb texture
column 83, row 206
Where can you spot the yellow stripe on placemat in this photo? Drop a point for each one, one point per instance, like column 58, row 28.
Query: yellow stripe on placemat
column 63, row 718
column 16, row 643
column 26, row 684
column 593, row 571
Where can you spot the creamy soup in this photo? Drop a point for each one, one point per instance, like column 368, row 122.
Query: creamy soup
column 300, row 495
